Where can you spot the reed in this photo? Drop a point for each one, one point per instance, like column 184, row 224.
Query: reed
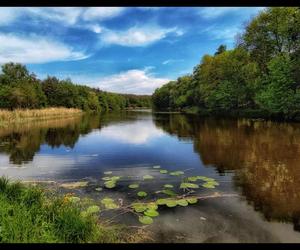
column 21, row 115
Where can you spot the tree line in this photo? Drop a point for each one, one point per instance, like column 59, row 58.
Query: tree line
column 260, row 77
column 21, row 89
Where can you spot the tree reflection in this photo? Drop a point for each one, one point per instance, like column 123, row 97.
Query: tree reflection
column 264, row 155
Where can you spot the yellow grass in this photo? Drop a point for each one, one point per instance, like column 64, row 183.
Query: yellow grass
column 21, row 115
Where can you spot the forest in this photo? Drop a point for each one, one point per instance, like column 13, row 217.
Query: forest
column 259, row 77
column 20, row 89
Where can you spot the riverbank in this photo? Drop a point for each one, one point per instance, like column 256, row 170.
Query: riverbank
column 30, row 214
column 246, row 113
column 8, row 117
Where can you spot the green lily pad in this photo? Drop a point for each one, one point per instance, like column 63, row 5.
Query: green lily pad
column 152, row 205
column 98, row 189
column 156, row 167
column 111, row 206
column 151, row 213
column 171, row 203
column 110, row 184
column 93, row 209
column 192, row 178
column 182, row 202
column 213, row 183
column 133, row 186
column 107, row 200
column 161, row 201
column 139, row 207
column 192, row 200
column 145, row 220
column 177, row 173
column 142, row 194
column 148, row 177
column 106, row 178
column 163, row 171
column 115, row 178
column 188, row 185
column 74, row 199
column 169, row 192
column 208, row 185
column 200, row 177
column 108, row 172
column 168, row 186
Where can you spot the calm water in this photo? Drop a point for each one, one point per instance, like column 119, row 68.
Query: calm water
column 257, row 162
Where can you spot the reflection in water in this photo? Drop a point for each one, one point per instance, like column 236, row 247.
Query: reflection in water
column 264, row 155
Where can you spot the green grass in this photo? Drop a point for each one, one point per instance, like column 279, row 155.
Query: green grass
column 28, row 214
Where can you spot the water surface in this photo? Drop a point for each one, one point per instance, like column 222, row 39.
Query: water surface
column 256, row 161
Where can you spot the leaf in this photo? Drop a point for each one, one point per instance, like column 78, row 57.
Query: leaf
column 106, row 178
column 188, row 185
column 93, row 209
column 151, row 213
column 169, row 192
column 139, row 207
column 163, row 171
column 148, row 177
column 115, row 178
column 108, row 172
column 192, row 178
column 168, row 186
column 133, row 185
column 177, row 173
column 145, row 220
column 111, row 206
column 171, row 203
column 152, row 205
column 142, row 194
column 208, row 185
column 192, row 200
column 74, row 199
column 161, row 201
column 156, row 167
column 110, row 184
column 98, row 189
column 214, row 183
column 182, row 202
column 107, row 200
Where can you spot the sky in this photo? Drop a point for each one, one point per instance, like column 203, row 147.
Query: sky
column 119, row 49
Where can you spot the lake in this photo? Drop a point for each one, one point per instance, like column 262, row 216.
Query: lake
column 256, row 163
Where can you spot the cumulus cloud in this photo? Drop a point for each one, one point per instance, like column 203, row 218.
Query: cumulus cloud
column 137, row 36
column 215, row 12
column 35, row 49
column 132, row 81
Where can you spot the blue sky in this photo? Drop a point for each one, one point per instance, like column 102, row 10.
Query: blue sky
column 118, row 49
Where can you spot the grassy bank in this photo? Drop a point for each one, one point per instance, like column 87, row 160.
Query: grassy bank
column 29, row 214
column 22, row 115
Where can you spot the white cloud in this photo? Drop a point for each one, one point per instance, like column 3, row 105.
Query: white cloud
column 8, row 15
column 35, row 49
column 139, row 132
column 137, row 36
column 101, row 13
column 169, row 61
column 132, row 81
column 215, row 12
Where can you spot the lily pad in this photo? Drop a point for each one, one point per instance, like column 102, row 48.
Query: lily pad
column 192, row 200
column 139, row 207
column 73, row 185
column 169, row 192
column 168, row 186
column 156, row 167
column 93, row 209
column 145, row 220
column 107, row 200
column 115, row 178
column 74, row 199
column 171, row 203
column 182, row 202
column 111, row 206
column 108, row 172
column 99, row 189
column 163, row 171
column 213, row 183
column 151, row 213
column 148, row 177
column 142, row 194
column 133, row 186
column 188, row 185
column 106, row 178
column 161, row 201
column 177, row 173
column 110, row 184
column 152, row 205
column 208, row 185
column 192, row 178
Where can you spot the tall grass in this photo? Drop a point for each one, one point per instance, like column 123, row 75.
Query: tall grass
column 29, row 214
column 20, row 115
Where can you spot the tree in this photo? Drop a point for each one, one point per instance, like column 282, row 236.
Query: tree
column 220, row 50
